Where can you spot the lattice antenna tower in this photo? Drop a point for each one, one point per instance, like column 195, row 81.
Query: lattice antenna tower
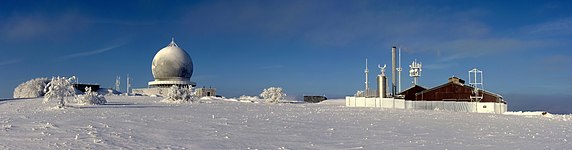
column 415, row 71
column 476, row 81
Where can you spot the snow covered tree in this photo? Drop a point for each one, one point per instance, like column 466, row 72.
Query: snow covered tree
column 91, row 98
column 273, row 94
column 32, row 88
column 189, row 94
column 173, row 94
column 178, row 94
column 58, row 89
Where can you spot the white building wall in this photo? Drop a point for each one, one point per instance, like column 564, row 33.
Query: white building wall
column 486, row 107
column 480, row 107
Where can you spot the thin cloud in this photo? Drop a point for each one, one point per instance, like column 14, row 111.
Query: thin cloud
column 89, row 53
column 562, row 26
column 554, row 63
column 41, row 25
column 357, row 25
column 470, row 48
column 8, row 62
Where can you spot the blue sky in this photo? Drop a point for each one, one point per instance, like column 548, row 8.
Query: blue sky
column 306, row 47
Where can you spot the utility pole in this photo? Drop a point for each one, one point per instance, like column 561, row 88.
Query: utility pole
column 399, row 69
column 393, row 69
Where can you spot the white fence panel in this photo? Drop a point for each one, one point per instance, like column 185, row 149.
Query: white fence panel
column 483, row 107
column 387, row 103
column 399, row 103
column 370, row 102
column 360, row 101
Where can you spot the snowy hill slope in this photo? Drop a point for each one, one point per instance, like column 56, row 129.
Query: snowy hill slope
column 144, row 123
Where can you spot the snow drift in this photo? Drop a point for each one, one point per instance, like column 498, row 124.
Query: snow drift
column 135, row 122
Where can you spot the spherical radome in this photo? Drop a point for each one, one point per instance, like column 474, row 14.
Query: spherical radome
column 172, row 63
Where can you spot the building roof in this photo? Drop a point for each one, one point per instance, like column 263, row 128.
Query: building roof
column 410, row 92
column 401, row 93
column 443, row 85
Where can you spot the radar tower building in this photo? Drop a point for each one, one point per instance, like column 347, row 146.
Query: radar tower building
column 171, row 66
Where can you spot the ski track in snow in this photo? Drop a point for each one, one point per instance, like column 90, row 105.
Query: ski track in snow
column 145, row 123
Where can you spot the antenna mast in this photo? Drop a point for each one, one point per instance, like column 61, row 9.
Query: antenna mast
column 415, row 71
column 476, row 81
column 399, row 69
column 366, row 79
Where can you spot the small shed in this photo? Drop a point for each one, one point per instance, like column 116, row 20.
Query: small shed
column 82, row 86
column 314, row 99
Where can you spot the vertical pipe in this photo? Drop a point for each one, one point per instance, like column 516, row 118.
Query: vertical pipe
column 399, row 72
column 378, row 80
column 128, row 85
column 393, row 88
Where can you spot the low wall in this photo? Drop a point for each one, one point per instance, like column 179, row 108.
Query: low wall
column 479, row 107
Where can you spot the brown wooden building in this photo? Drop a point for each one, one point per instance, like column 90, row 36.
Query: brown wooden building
column 409, row 94
column 454, row 90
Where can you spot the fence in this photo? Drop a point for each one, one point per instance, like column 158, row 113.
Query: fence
column 479, row 107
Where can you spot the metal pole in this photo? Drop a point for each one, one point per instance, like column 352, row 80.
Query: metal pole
column 393, row 88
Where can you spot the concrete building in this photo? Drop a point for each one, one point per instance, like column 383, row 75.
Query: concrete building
column 204, row 92
column 314, row 99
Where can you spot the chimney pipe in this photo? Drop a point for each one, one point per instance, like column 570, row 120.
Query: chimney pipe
column 393, row 87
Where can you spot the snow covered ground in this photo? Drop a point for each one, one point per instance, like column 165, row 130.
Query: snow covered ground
column 144, row 123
